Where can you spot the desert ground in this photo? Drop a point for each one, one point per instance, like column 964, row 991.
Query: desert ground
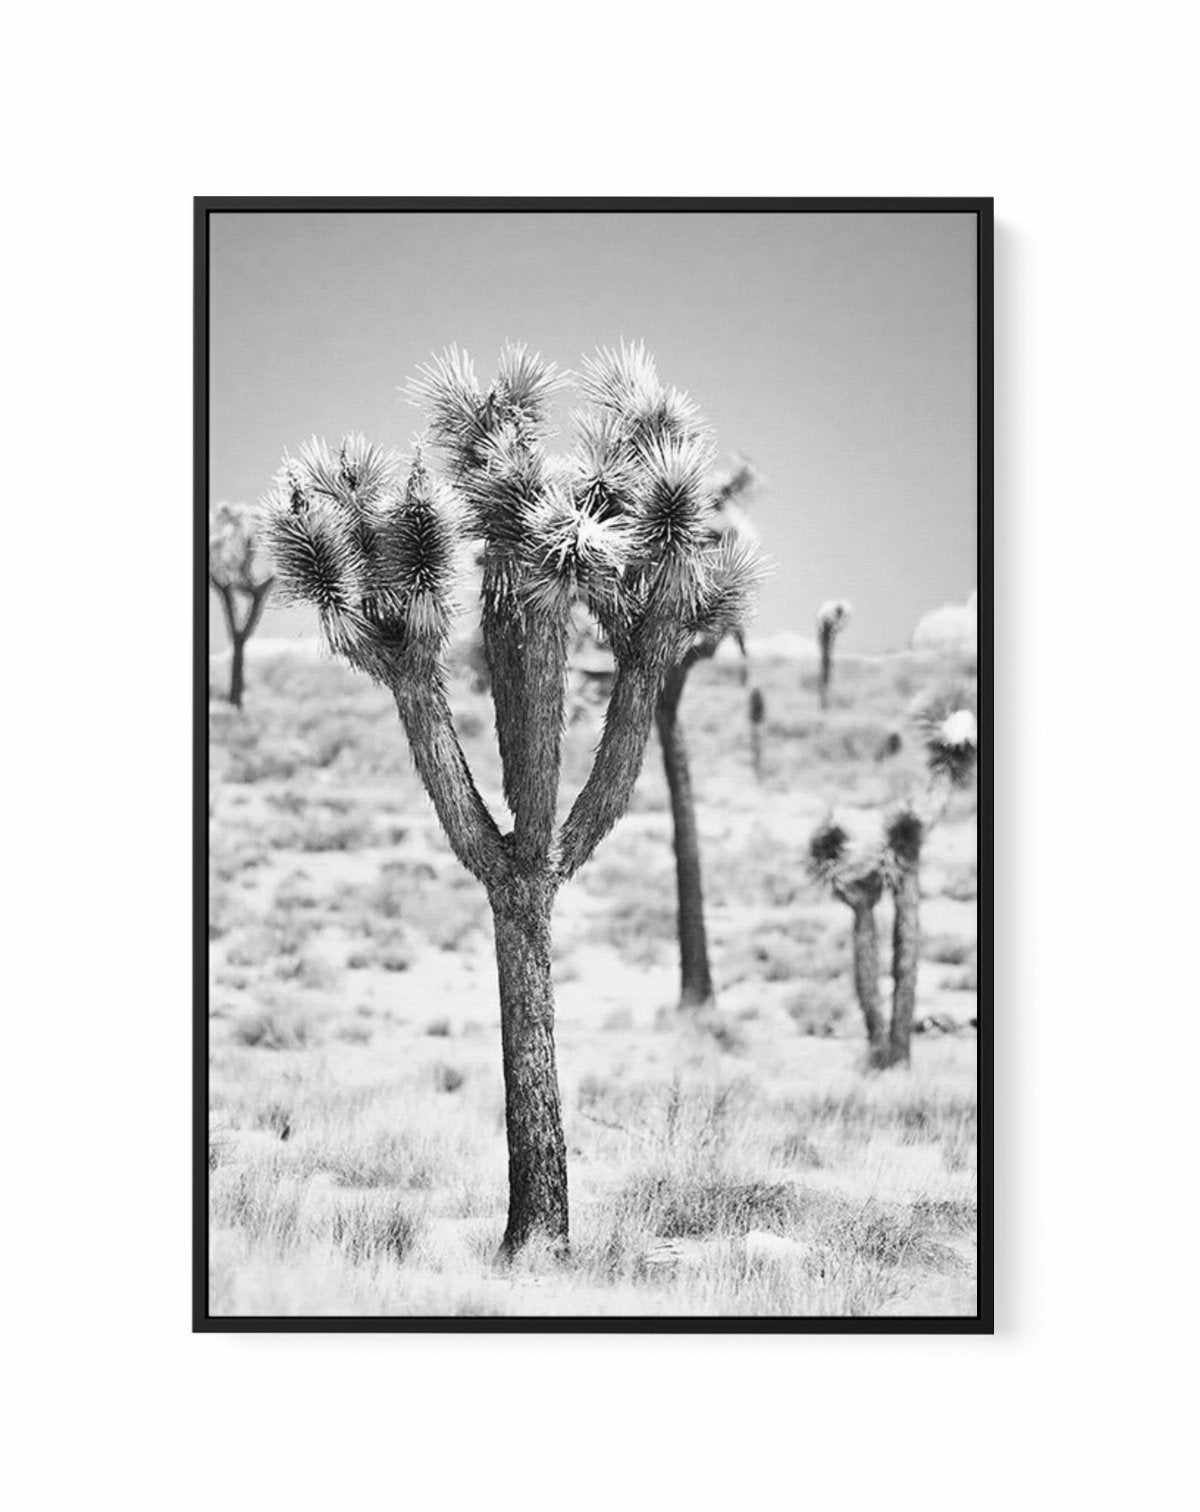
column 745, row 1164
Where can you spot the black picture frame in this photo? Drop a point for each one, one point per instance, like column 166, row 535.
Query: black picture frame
column 202, row 1321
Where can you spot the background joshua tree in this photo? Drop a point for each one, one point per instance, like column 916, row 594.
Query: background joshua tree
column 831, row 619
column 758, row 712
column 241, row 587
column 621, row 525
column 858, row 877
column 727, row 526
column 948, row 726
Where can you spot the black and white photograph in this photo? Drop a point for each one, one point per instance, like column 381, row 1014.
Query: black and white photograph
column 600, row 806
column 593, row 804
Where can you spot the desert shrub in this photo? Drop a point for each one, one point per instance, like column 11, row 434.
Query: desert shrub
column 296, row 891
column 248, row 765
column 355, row 1034
column 316, row 831
column 958, row 1215
column 798, row 1150
column 671, row 1206
column 641, row 923
column 277, row 1117
column 272, row 1031
column 446, row 914
column 447, row 1078
column 366, row 1231
column 959, row 1148
column 438, row 1028
column 683, row 1124
column 260, row 1202
column 309, row 972
column 919, row 1113
column 886, row 1234
column 949, row 950
column 268, row 942
column 387, row 1159
column 818, row 1009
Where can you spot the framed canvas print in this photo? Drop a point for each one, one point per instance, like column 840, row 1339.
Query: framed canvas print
column 592, row 785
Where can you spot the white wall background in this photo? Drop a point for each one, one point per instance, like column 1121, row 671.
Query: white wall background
column 1076, row 118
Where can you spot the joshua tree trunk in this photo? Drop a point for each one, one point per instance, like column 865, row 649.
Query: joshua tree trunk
column 826, row 666
column 905, row 945
column 866, row 979
column 237, row 671
column 758, row 711
column 537, row 1155
column 695, row 979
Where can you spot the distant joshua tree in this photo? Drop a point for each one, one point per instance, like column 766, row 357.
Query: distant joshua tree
column 831, row 620
column 758, row 714
column 727, row 527
column 951, row 740
column 234, row 572
column 858, row 877
column 856, row 881
column 619, row 524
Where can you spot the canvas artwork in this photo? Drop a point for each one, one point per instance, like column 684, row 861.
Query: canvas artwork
column 593, row 794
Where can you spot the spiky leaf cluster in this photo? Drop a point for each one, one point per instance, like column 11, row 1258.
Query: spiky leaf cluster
column 827, row 850
column 832, row 616
column 948, row 728
column 731, row 572
column 625, row 525
column 464, row 418
column 573, row 557
column 645, row 457
column 852, row 872
column 373, row 554
column 625, row 384
column 903, row 836
column 233, row 547
column 411, row 582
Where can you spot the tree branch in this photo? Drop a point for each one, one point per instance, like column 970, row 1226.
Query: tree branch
column 606, row 793
column 415, row 678
column 258, row 600
column 527, row 655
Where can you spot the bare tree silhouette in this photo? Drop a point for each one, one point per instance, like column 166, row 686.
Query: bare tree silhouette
column 234, row 572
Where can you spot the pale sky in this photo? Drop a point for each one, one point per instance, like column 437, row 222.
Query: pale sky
column 837, row 352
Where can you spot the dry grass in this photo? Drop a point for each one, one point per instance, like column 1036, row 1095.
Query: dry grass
column 744, row 1165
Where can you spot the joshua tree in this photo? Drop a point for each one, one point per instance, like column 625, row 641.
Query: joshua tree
column 951, row 748
column 857, row 877
column 233, row 572
column 727, row 525
column 619, row 524
column 758, row 714
column 831, row 620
